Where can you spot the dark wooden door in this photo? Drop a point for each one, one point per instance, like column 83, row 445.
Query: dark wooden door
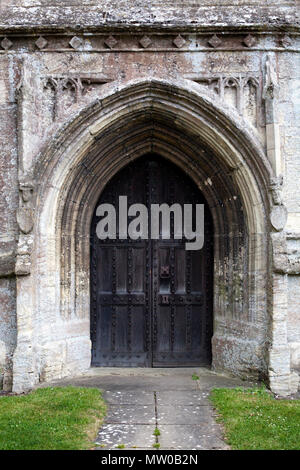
column 151, row 300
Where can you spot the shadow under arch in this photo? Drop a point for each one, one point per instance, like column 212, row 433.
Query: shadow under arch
column 182, row 122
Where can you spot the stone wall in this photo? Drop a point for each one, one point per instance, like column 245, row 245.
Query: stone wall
column 8, row 225
column 7, row 331
column 57, row 58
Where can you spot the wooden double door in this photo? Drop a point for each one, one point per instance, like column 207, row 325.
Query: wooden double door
column 151, row 300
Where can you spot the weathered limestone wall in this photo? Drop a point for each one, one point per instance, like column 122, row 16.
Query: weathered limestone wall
column 7, row 331
column 293, row 330
column 289, row 126
column 58, row 57
column 8, row 225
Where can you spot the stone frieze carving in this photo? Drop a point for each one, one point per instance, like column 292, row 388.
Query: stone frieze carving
column 77, row 85
column 118, row 41
column 240, row 91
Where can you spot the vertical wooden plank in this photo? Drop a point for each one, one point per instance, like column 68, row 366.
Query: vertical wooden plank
column 121, row 329
column 138, row 269
column 121, row 269
column 180, row 329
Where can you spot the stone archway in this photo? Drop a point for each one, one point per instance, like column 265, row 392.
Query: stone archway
column 183, row 123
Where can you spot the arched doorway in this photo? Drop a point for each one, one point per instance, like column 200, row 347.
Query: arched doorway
column 151, row 299
column 186, row 125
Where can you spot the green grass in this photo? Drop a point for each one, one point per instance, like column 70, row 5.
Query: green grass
column 254, row 420
column 60, row 418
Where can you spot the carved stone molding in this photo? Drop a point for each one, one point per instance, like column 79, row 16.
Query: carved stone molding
column 76, row 84
column 75, row 42
column 41, row 43
column 214, row 41
column 111, row 42
column 249, row 41
column 6, row 43
column 156, row 41
column 179, row 41
column 145, row 41
column 241, row 91
column 286, row 41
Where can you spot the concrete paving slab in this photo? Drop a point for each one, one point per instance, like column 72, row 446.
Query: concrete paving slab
column 130, row 397
column 183, row 414
column 190, row 437
column 147, row 379
column 127, row 384
column 144, row 383
column 182, row 397
column 131, row 414
column 129, row 435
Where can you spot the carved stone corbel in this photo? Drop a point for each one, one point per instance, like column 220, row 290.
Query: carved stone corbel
column 276, row 190
column 278, row 216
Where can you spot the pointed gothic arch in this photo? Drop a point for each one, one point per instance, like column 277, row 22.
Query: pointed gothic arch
column 186, row 124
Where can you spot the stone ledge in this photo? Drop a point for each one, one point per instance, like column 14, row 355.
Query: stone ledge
column 129, row 15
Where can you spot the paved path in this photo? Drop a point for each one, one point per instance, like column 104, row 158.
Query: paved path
column 141, row 400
